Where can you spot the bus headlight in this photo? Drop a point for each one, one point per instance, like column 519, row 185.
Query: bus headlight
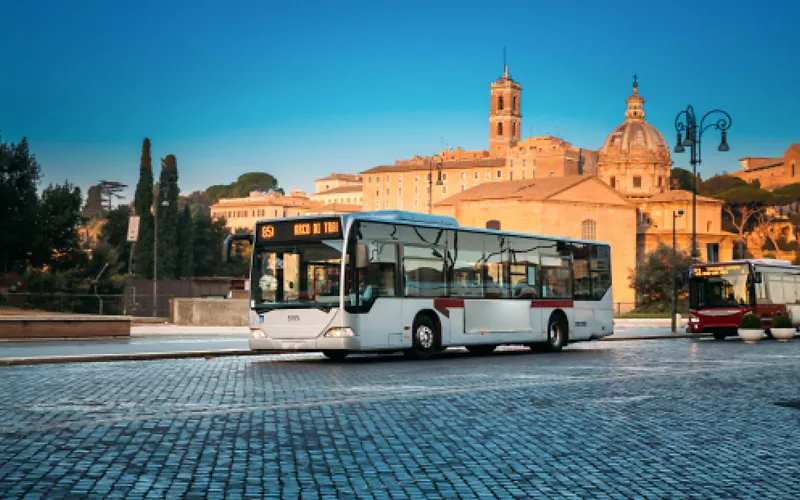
column 257, row 333
column 338, row 331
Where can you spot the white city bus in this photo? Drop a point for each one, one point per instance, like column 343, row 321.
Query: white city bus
column 399, row 281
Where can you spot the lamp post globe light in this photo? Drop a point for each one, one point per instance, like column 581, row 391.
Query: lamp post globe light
column 686, row 125
column 434, row 162
column 675, row 216
column 156, row 204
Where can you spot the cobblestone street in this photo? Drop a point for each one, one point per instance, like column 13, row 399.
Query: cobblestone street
column 628, row 419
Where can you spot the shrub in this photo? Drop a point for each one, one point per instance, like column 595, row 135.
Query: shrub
column 750, row 322
column 781, row 321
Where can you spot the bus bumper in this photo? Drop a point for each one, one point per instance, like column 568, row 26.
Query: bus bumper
column 315, row 344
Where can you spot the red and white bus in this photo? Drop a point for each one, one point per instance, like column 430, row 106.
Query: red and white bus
column 399, row 281
column 722, row 292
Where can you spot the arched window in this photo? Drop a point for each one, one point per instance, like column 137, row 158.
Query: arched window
column 500, row 103
column 614, row 182
column 513, row 129
column 500, row 128
column 588, row 230
column 493, row 224
column 514, row 103
column 793, row 165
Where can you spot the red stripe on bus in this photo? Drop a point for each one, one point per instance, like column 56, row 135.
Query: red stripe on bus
column 443, row 306
column 551, row 303
column 453, row 303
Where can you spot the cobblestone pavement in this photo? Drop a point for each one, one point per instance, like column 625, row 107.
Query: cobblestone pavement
column 658, row 418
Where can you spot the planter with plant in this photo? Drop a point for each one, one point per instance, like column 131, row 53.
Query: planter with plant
column 782, row 328
column 750, row 329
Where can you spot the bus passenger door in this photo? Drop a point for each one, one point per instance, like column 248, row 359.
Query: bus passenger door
column 526, row 289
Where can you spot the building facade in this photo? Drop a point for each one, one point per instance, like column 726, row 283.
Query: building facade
column 244, row 212
column 772, row 173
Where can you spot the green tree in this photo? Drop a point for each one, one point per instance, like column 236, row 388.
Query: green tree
column 654, row 277
column 185, row 244
column 719, row 183
column 167, row 210
column 19, row 179
column 56, row 238
column 241, row 187
column 743, row 206
column 111, row 190
column 682, row 179
column 143, row 203
column 788, row 194
column 115, row 233
column 208, row 236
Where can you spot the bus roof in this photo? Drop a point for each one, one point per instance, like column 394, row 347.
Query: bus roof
column 425, row 220
column 754, row 262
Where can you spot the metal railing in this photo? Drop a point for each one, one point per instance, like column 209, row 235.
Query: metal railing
column 129, row 304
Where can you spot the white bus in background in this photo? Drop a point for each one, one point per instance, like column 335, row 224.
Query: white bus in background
column 399, row 281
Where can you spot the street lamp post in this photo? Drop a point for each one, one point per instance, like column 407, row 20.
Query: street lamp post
column 156, row 204
column 686, row 123
column 437, row 161
column 675, row 215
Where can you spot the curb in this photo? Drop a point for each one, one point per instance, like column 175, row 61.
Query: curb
column 146, row 356
column 657, row 337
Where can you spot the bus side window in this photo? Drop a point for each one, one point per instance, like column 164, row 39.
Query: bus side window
column 761, row 293
column 382, row 268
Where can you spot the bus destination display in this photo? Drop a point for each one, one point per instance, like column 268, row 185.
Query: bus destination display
column 701, row 272
column 320, row 229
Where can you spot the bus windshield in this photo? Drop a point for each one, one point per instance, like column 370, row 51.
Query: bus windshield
column 297, row 276
column 719, row 286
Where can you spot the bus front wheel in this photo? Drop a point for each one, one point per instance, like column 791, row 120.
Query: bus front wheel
column 424, row 341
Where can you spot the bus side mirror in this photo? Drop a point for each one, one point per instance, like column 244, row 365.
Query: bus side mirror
column 226, row 245
column 757, row 278
column 361, row 256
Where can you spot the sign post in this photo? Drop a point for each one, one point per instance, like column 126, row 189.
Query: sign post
column 133, row 235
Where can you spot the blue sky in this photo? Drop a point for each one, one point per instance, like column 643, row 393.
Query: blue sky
column 300, row 89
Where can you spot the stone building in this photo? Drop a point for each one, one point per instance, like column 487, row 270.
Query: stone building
column 334, row 181
column 244, row 212
column 772, row 172
column 654, row 225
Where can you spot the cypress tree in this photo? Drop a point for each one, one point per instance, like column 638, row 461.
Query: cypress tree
column 143, row 254
column 185, row 251
column 168, row 264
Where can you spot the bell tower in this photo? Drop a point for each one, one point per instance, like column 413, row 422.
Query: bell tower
column 504, row 116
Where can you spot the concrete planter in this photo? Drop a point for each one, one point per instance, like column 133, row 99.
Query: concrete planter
column 783, row 334
column 751, row 336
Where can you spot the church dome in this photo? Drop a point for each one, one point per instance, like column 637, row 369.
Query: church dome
column 635, row 136
column 635, row 158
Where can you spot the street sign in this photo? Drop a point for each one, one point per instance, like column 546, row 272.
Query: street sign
column 133, row 228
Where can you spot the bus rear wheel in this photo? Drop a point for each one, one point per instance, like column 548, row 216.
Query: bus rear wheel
column 481, row 350
column 335, row 355
column 424, row 340
column 556, row 335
